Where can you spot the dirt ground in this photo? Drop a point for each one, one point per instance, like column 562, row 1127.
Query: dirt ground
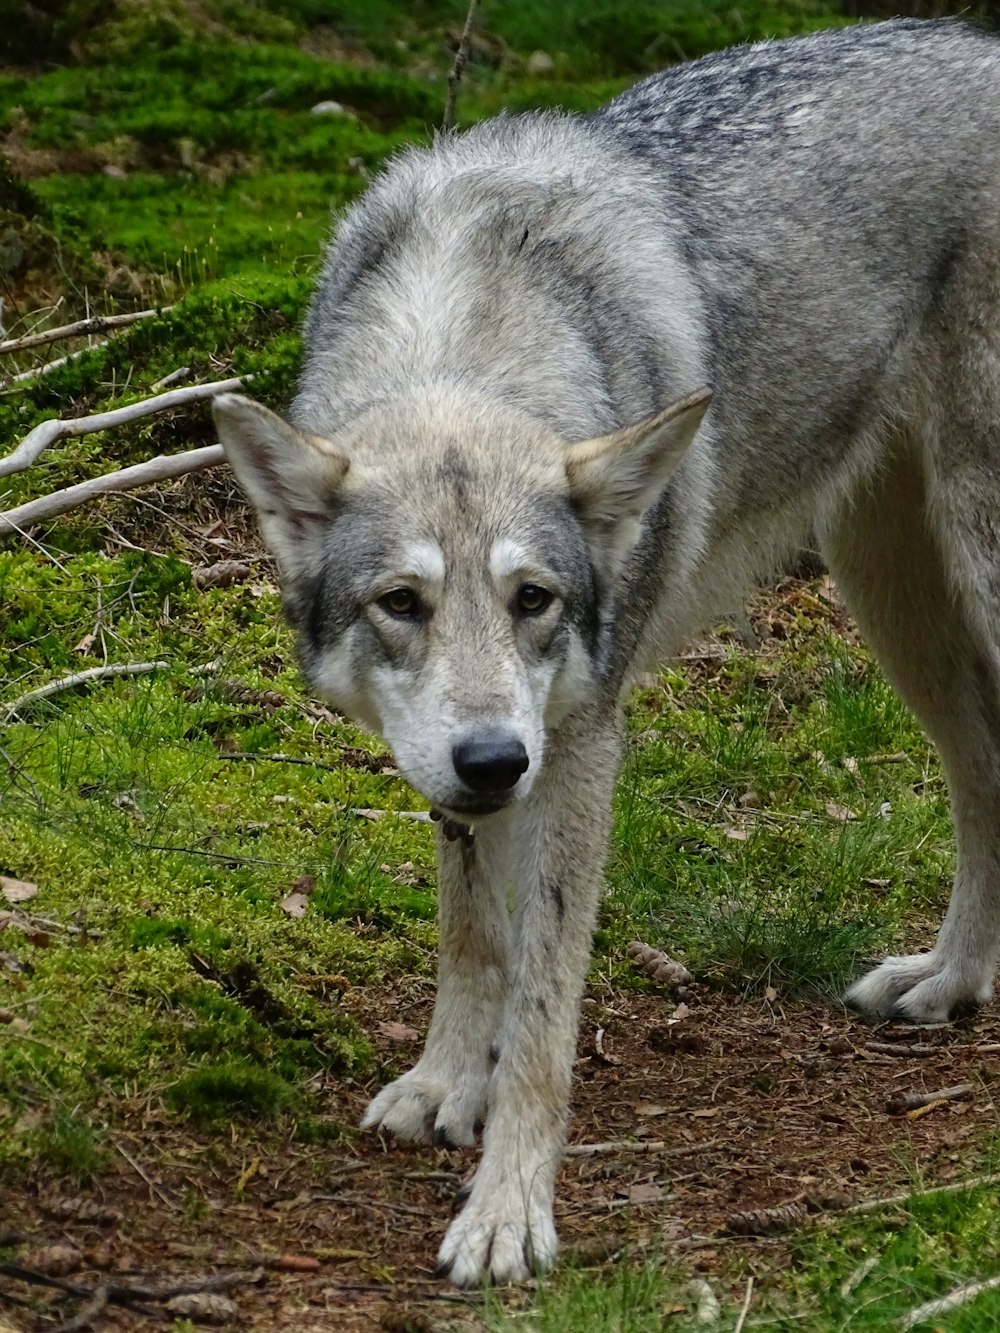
column 756, row 1104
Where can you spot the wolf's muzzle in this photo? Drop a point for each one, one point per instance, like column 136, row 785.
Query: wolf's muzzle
column 490, row 762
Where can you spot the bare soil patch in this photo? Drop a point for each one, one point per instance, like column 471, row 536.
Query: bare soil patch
column 762, row 1103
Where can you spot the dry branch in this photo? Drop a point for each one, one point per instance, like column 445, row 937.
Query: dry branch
column 36, row 371
column 166, row 468
column 890, row 1200
column 960, row 1296
column 96, row 324
column 48, row 432
column 745, row 1307
column 901, row 1102
column 80, row 678
column 458, row 67
column 634, row 1146
column 87, row 1316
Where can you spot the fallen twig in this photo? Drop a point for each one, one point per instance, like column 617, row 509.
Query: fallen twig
column 634, row 1146
column 180, row 373
column 745, row 1307
column 247, row 758
column 35, row 371
column 960, row 1296
column 902, row 1050
column 901, row 1102
column 81, row 678
column 95, row 324
column 421, row 816
column 458, row 67
column 890, row 1200
column 94, row 1308
column 355, row 1201
column 129, row 1293
column 58, row 428
column 166, row 468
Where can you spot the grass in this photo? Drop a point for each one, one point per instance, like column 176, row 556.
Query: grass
column 766, row 830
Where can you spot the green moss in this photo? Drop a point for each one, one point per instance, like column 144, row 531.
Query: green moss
column 230, row 1089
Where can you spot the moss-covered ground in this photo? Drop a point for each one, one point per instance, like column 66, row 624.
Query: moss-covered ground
column 204, row 893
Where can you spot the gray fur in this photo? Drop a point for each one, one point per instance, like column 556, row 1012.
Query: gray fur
column 812, row 229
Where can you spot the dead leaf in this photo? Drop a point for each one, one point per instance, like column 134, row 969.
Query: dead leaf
column 398, row 1032
column 295, row 905
column 840, row 813
column 680, row 1012
column 704, row 1112
column 17, row 890
column 770, row 995
column 649, row 1109
column 85, row 644
column 737, row 834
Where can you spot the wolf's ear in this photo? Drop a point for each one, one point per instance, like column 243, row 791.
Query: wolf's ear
column 289, row 477
column 615, row 478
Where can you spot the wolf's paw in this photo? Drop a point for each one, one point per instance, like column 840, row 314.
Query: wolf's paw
column 500, row 1236
column 920, row 988
column 430, row 1108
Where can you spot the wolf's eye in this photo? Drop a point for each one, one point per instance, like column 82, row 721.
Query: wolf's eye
column 402, row 602
column 532, row 600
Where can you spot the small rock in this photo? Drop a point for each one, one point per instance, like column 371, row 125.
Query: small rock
column 540, row 63
column 331, row 109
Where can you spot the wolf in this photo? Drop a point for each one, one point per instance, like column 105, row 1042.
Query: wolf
column 570, row 384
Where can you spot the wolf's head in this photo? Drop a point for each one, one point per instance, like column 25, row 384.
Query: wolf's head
column 446, row 563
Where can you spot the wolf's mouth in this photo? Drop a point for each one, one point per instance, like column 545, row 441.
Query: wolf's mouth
column 476, row 806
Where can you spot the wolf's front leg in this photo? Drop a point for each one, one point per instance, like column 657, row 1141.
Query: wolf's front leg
column 506, row 1229
column 443, row 1098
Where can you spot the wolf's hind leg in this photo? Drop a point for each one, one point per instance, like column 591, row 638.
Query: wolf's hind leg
column 443, row 1097
column 916, row 576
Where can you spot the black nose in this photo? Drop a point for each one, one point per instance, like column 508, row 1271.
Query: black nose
column 490, row 762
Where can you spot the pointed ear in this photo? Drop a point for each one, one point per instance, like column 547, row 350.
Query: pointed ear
column 615, row 478
column 289, row 477
column 619, row 475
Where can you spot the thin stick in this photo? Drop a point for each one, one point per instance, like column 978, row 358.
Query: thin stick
column 353, row 1201
column 168, row 467
column 873, row 1205
column 745, row 1309
column 913, row 1101
column 960, row 1296
column 180, row 373
column 458, row 67
column 48, row 432
column 96, row 324
column 246, row 757
column 52, row 365
column 94, row 1308
column 138, row 1169
column 82, row 678
column 630, row 1146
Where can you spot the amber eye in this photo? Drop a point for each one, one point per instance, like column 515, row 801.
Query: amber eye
column 402, row 602
column 532, row 600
